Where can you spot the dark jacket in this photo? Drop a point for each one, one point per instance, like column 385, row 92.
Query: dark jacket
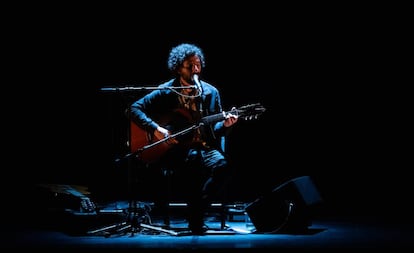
column 160, row 106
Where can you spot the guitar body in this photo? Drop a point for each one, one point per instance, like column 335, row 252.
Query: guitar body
column 153, row 148
column 141, row 139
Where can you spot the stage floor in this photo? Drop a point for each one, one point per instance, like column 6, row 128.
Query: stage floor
column 90, row 232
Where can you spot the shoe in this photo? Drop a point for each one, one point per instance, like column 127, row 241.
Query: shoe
column 196, row 220
column 198, row 230
column 197, row 226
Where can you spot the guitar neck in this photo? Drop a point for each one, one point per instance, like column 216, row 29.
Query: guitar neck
column 213, row 118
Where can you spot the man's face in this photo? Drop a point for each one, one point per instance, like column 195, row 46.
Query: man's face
column 191, row 66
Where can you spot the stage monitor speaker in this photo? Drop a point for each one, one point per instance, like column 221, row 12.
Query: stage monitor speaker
column 287, row 208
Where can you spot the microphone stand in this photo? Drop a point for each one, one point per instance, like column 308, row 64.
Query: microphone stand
column 132, row 88
column 137, row 220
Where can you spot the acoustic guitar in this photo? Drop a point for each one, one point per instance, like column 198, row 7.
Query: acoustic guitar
column 150, row 149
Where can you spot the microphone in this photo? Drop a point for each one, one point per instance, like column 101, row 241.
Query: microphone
column 197, row 83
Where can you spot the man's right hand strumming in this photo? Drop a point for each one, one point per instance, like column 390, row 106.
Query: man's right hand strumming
column 162, row 133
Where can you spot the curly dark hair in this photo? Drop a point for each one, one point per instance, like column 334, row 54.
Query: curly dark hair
column 179, row 53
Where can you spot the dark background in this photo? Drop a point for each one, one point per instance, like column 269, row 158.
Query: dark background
column 324, row 78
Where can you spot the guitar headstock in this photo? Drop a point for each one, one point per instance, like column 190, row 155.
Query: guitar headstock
column 249, row 112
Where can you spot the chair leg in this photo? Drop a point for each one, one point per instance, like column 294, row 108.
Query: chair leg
column 223, row 216
column 167, row 174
